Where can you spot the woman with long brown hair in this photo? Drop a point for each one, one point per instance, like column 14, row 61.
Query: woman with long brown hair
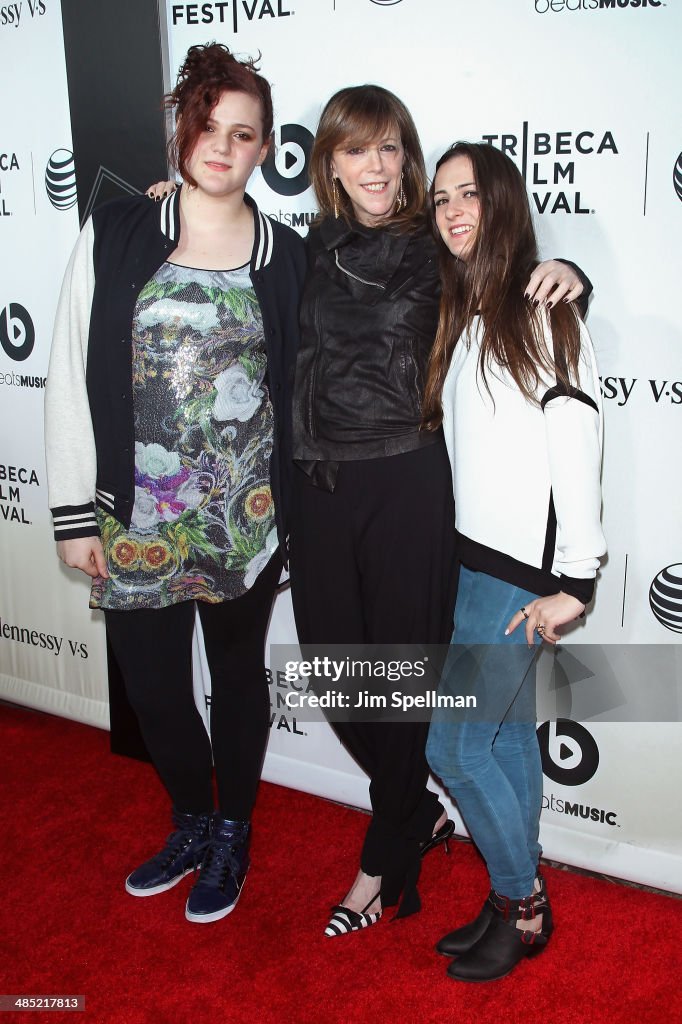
column 372, row 538
column 516, row 391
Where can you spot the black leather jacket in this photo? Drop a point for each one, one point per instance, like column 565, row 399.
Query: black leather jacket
column 368, row 320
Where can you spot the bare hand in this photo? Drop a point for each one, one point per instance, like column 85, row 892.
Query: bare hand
column 553, row 281
column 548, row 613
column 85, row 553
column 164, row 188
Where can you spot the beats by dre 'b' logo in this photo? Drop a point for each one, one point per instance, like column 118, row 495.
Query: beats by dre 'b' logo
column 286, row 166
column 17, row 333
column 570, row 756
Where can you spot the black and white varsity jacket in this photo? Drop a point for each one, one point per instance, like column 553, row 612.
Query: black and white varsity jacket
column 90, row 437
column 526, row 476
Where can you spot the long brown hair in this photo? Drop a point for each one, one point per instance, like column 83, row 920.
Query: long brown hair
column 207, row 72
column 358, row 115
column 491, row 283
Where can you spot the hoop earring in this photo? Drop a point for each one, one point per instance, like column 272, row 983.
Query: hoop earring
column 335, row 197
column 401, row 200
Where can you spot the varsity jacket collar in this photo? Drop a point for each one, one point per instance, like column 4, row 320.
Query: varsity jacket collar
column 263, row 242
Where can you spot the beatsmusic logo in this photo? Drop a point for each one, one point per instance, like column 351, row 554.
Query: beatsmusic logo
column 570, row 756
column 17, row 333
column 542, row 164
column 556, row 6
column 234, row 11
column 21, row 380
column 665, row 597
column 576, row 810
column 285, row 168
column 60, row 180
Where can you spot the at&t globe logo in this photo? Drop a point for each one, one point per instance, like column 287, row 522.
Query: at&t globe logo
column 286, row 166
column 570, row 755
column 60, row 180
column 677, row 177
column 665, row 597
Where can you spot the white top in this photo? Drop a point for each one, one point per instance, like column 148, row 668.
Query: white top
column 512, row 460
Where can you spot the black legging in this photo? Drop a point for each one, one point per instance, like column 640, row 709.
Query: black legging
column 154, row 652
column 374, row 562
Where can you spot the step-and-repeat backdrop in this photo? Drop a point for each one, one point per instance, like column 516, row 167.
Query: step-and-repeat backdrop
column 581, row 93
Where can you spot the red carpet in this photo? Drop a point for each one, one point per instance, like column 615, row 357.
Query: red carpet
column 77, row 819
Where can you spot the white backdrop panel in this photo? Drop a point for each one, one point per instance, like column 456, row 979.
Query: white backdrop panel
column 575, row 95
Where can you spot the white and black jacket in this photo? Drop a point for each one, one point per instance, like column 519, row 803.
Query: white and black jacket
column 526, row 476
column 90, row 436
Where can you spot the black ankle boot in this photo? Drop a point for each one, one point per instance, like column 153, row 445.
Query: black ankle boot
column 502, row 944
column 462, row 939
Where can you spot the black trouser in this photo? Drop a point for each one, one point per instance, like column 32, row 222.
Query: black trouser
column 374, row 562
column 153, row 648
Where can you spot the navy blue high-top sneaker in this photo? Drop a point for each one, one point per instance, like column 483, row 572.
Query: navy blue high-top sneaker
column 183, row 852
column 223, row 871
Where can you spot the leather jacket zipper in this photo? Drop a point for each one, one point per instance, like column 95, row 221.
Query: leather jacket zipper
column 355, row 277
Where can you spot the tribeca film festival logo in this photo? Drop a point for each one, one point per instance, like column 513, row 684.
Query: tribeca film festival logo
column 665, row 597
column 570, row 757
column 60, row 180
column 8, row 162
column 556, row 6
column 227, row 11
column 545, row 169
column 11, row 14
column 11, row 508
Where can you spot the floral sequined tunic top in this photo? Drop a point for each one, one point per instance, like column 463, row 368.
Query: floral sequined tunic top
column 203, row 521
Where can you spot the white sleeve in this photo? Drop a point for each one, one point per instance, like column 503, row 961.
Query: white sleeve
column 69, row 438
column 573, row 425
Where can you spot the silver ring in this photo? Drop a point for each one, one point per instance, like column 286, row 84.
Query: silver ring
column 540, row 628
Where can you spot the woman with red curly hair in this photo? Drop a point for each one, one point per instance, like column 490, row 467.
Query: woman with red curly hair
column 169, row 451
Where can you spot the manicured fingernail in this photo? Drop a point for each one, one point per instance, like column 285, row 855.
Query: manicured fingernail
column 506, row 632
column 536, row 303
column 526, row 295
column 550, row 304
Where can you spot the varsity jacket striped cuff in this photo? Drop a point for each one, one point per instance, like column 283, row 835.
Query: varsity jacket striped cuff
column 72, row 521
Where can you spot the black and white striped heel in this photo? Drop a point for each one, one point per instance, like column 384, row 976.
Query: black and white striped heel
column 343, row 921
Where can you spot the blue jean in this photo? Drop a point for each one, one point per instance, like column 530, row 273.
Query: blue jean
column 490, row 762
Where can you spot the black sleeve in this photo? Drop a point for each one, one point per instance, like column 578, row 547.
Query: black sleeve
column 586, row 283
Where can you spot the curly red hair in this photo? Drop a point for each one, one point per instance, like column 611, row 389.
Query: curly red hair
column 207, row 72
